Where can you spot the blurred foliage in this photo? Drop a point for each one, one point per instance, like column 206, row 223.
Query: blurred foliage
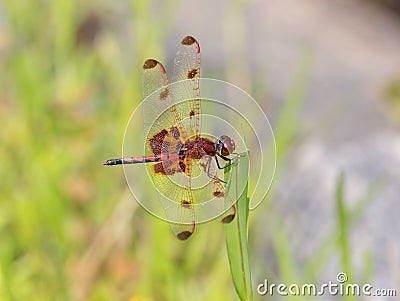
column 393, row 99
column 69, row 228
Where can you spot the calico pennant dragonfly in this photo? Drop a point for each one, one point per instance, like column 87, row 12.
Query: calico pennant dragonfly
column 175, row 146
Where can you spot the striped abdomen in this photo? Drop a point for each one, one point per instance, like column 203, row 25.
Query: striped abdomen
column 142, row 159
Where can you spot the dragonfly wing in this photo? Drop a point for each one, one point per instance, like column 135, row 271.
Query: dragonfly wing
column 175, row 195
column 159, row 111
column 165, row 134
column 187, row 73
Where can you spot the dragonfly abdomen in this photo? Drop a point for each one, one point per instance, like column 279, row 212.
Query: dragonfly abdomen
column 141, row 159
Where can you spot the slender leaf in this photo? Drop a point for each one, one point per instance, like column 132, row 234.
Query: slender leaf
column 236, row 231
column 343, row 224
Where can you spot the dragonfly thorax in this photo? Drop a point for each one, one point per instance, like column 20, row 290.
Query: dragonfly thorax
column 198, row 147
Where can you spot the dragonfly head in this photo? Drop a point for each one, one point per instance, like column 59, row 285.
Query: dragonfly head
column 226, row 145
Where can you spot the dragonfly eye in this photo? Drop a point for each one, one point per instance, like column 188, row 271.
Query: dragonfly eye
column 228, row 145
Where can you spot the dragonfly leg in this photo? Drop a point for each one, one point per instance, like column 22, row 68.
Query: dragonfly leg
column 207, row 168
column 226, row 159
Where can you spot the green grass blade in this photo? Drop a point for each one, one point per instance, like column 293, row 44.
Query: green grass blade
column 236, row 232
column 343, row 224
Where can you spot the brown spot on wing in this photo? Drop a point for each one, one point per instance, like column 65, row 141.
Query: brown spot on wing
column 164, row 167
column 192, row 73
column 184, row 235
column 156, row 142
column 188, row 40
column 166, row 142
column 159, row 168
column 185, row 204
column 191, row 114
column 169, row 167
column 164, row 94
column 149, row 64
column 219, row 194
column 227, row 219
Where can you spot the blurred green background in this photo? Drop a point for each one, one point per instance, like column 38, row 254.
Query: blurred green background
column 70, row 77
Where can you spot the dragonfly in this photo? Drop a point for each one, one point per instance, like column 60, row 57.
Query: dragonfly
column 175, row 147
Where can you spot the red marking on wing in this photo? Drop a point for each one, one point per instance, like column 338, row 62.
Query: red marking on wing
column 156, row 142
column 169, row 167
